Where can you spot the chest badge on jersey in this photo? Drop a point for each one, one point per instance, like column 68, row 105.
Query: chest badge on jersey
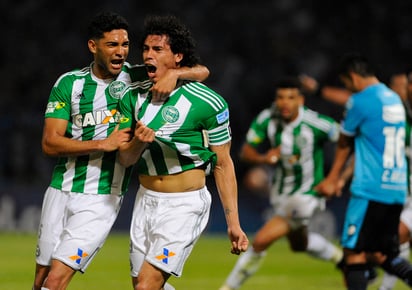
column 170, row 114
column 301, row 141
column 116, row 89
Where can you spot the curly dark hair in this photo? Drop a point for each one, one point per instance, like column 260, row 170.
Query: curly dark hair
column 106, row 22
column 180, row 38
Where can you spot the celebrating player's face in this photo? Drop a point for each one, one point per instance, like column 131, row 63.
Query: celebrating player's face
column 158, row 56
column 288, row 101
column 110, row 53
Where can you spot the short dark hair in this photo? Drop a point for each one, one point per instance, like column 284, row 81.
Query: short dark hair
column 289, row 82
column 356, row 63
column 180, row 38
column 106, row 22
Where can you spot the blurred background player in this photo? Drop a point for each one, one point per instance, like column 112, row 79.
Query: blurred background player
column 378, row 189
column 401, row 83
column 297, row 137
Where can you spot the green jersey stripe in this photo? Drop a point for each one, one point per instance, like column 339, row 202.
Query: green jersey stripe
column 205, row 95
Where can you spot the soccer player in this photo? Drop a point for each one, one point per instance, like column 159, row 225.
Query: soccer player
column 88, row 183
column 193, row 138
column 297, row 136
column 374, row 128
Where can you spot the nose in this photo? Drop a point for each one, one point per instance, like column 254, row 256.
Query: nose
column 122, row 51
column 148, row 53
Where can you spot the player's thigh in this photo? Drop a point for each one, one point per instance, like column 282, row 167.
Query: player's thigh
column 51, row 224
column 298, row 209
column 167, row 229
column 89, row 221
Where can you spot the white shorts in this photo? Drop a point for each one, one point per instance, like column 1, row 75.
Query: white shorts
column 74, row 226
column 165, row 227
column 297, row 208
column 406, row 215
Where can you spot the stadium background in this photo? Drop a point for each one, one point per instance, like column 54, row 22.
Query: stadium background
column 246, row 45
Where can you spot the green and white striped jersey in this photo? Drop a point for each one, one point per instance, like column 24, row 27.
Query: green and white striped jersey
column 193, row 118
column 301, row 163
column 90, row 105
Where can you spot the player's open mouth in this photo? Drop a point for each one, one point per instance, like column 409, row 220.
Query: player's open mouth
column 117, row 63
column 150, row 68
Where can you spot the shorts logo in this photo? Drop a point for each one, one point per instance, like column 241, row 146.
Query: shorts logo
column 79, row 256
column 170, row 114
column 165, row 256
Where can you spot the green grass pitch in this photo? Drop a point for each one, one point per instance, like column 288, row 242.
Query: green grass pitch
column 206, row 268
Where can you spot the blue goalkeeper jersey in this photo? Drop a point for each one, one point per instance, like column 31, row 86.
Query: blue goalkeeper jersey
column 375, row 117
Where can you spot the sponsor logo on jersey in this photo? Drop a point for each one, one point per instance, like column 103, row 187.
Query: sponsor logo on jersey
column 170, row 114
column 293, row 159
column 393, row 113
column 116, row 89
column 79, row 95
column 123, row 119
column 96, row 118
column 222, row 117
column 53, row 106
column 165, row 256
column 78, row 258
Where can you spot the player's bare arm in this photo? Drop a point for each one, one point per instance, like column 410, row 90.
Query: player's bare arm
column 251, row 155
column 55, row 143
column 225, row 178
column 329, row 186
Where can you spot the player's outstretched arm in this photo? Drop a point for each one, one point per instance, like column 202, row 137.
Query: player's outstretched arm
column 225, row 178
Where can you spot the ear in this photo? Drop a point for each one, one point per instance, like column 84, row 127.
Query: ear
column 355, row 79
column 178, row 57
column 92, row 45
column 353, row 76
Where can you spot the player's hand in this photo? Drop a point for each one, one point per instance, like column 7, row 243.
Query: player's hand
column 328, row 188
column 164, row 86
column 239, row 241
column 116, row 139
column 308, row 83
column 143, row 134
column 272, row 156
